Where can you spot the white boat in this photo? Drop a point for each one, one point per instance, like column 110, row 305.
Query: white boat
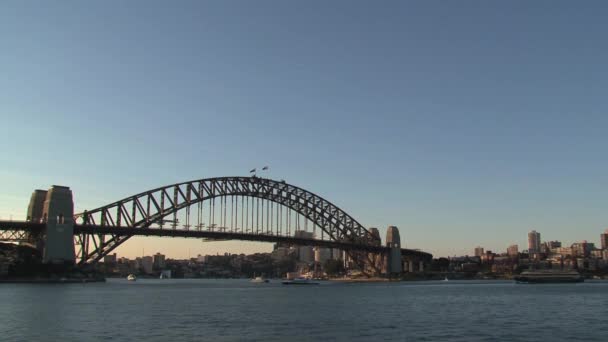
column 446, row 279
column 259, row 280
column 300, row 281
column 131, row 277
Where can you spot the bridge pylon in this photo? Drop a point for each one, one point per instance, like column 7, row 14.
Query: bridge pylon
column 393, row 241
column 54, row 208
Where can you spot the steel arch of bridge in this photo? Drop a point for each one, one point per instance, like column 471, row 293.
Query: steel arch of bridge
column 153, row 207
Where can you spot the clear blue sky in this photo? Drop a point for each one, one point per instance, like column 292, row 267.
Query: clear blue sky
column 464, row 123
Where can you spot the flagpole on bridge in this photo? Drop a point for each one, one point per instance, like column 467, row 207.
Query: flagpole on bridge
column 254, row 170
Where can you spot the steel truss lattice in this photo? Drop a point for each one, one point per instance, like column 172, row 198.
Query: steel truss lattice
column 155, row 208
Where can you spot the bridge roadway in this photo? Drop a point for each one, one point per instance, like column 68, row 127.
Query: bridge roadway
column 13, row 228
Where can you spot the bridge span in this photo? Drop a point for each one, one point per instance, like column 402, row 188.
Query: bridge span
column 20, row 231
column 234, row 208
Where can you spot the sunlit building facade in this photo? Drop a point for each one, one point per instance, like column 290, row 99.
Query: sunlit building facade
column 533, row 242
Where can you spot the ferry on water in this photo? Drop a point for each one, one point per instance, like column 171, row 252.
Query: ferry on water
column 549, row 276
column 300, row 281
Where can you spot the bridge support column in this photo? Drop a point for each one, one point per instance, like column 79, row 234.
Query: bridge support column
column 394, row 260
column 34, row 214
column 393, row 240
column 58, row 214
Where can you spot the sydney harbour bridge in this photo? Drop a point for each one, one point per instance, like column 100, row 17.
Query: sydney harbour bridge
column 222, row 208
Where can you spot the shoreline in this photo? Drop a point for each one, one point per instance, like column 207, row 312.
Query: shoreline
column 362, row 280
column 51, row 280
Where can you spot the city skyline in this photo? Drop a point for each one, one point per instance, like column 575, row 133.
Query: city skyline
column 435, row 118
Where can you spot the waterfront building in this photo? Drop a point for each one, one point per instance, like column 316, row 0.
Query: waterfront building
column 580, row 263
column 487, row 257
column 593, row 264
column 569, row 263
column 583, row 248
column 513, row 251
column 109, row 259
column 604, row 240
column 503, row 265
column 146, row 264
column 478, row 251
column 469, row 267
column 544, row 249
column 533, row 242
column 159, row 261
column 597, row 254
column 123, row 260
column 564, row 251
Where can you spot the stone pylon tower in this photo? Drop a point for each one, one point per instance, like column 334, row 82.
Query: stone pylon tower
column 393, row 241
column 376, row 259
column 34, row 214
column 36, row 207
column 55, row 208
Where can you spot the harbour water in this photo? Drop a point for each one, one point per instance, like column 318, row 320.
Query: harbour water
column 236, row 310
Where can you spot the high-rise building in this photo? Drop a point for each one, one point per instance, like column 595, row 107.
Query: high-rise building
column 146, row 264
column 513, row 251
column 478, row 251
column 534, row 242
column 583, row 248
column 159, row 261
column 604, row 240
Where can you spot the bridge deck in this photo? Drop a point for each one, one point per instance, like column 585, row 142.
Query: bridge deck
column 129, row 231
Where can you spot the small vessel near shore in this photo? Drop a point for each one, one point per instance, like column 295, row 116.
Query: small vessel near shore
column 549, row 276
column 259, row 280
column 300, row 281
column 131, row 277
